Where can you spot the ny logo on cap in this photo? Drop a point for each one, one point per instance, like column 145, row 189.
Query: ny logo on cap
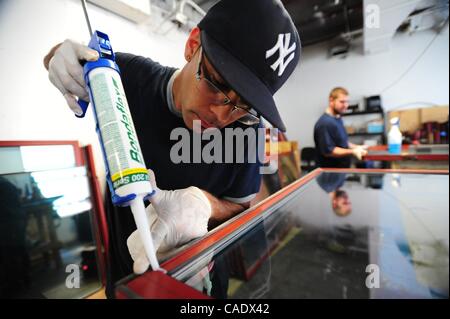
column 282, row 46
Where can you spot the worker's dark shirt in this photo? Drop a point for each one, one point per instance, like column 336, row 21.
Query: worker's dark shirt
column 331, row 182
column 329, row 132
column 145, row 83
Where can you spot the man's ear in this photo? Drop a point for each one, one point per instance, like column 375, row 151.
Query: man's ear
column 334, row 204
column 192, row 44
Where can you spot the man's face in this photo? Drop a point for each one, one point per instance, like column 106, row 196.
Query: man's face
column 340, row 104
column 341, row 203
column 202, row 102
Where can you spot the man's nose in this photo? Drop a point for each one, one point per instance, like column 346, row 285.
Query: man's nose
column 222, row 113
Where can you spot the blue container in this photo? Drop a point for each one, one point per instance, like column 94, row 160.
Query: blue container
column 395, row 148
column 375, row 128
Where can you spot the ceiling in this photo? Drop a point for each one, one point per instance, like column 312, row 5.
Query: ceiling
column 318, row 20
column 343, row 20
column 322, row 20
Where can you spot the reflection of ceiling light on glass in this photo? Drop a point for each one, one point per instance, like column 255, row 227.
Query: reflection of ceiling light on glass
column 71, row 184
column 39, row 158
column 68, row 182
column 67, row 209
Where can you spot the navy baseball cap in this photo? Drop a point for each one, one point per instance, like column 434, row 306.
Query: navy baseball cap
column 255, row 47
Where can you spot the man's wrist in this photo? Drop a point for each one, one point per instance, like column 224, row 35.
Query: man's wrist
column 222, row 210
column 212, row 200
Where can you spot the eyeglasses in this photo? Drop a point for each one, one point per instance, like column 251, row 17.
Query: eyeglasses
column 217, row 96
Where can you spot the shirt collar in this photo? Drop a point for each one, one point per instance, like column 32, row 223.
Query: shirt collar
column 170, row 100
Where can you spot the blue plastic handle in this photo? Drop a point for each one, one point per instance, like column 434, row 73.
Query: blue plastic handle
column 84, row 105
column 100, row 43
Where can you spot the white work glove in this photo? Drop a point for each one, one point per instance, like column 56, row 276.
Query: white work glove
column 365, row 147
column 359, row 152
column 175, row 218
column 66, row 72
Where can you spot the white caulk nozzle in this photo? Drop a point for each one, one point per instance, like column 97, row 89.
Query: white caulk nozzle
column 140, row 218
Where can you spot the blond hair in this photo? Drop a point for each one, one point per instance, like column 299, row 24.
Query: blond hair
column 334, row 94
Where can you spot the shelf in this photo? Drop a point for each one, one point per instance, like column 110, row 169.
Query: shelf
column 363, row 113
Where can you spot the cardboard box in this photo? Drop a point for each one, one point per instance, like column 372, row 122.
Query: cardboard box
column 412, row 120
column 434, row 114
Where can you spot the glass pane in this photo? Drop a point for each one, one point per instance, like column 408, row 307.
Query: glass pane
column 340, row 236
column 47, row 247
column 11, row 160
column 17, row 159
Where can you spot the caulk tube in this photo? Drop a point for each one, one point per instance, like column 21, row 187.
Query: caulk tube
column 126, row 173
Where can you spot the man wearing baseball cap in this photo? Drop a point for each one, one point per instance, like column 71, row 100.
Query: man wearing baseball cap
column 240, row 54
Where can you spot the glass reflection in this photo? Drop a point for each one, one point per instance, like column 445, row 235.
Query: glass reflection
column 340, row 236
column 73, row 181
column 45, row 226
column 332, row 184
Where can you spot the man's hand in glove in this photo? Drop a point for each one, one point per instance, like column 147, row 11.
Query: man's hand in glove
column 359, row 152
column 175, row 218
column 184, row 213
column 66, row 73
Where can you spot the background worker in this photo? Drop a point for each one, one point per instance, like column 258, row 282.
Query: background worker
column 331, row 139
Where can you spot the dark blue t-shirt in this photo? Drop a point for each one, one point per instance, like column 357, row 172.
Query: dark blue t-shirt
column 146, row 87
column 331, row 182
column 329, row 132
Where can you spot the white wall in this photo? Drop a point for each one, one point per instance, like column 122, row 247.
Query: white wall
column 305, row 97
column 30, row 107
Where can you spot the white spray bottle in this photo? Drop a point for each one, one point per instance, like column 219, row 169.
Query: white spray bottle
column 395, row 137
